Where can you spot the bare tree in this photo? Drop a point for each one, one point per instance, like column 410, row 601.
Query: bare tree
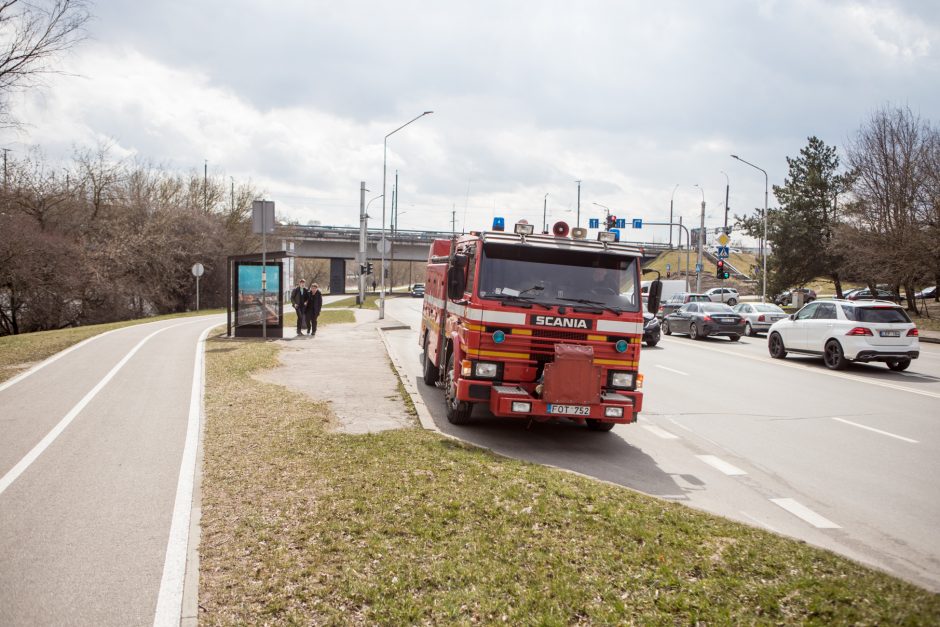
column 890, row 158
column 32, row 34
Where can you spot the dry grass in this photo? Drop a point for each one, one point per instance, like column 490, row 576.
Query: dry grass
column 305, row 526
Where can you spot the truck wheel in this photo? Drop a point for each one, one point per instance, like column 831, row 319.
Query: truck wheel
column 599, row 425
column 458, row 412
column 430, row 373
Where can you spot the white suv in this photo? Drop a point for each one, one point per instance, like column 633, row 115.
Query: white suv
column 843, row 331
column 726, row 295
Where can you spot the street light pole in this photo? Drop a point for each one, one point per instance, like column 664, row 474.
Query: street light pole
column 605, row 207
column 763, row 247
column 383, row 242
column 701, row 239
column 578, row 218
column 727, row 190
column 545, row 214
column 670, row 215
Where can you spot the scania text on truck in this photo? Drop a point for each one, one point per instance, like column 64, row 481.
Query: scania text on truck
column 536, row 326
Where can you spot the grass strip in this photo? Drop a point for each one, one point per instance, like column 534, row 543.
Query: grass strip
column 301, row 525
column 371, row 302
column 19, row 352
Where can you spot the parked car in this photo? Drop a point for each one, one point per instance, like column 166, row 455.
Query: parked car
column 677, row 300
column 847, row 294
column 865, row 294
column 786, row 296
column 700, row 320
column 758, row 316
column 417, row 290
column 843, row 331
column 727, row 295
column 651, row 329
column 930, row 292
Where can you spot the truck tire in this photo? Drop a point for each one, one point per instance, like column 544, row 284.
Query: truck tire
column 458, row 412
column 599, row 425
column 430, row 371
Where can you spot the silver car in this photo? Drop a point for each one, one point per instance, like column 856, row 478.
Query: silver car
column 759, row 316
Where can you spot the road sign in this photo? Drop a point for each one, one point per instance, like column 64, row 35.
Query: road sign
column 262, row 216
column 698, row 267
column 722, row 252
column 723, row 239
column 384, row 245
column 594, row 223
column 198, row 270
column 668, row 267
column 638, row 223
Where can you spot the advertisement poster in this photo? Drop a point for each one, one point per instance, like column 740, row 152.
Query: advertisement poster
column 250, row 306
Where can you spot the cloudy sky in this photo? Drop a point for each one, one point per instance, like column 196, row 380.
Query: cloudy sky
column 630, row 97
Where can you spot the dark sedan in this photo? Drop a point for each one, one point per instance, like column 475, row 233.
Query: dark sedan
column 699, row 320
column 865, row 294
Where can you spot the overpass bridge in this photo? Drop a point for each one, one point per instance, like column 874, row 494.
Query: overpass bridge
column 340, row 245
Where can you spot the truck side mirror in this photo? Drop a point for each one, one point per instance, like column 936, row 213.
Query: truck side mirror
column 457, row 277
column 655, row 293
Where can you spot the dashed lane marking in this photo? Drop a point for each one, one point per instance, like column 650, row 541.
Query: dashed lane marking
column 662, row 433
column 879, row 431
column 685, row 374
column 801, row 511
column 722, row 465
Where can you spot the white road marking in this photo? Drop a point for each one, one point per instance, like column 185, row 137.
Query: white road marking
column 660, row 432
column 801, row 511
column 821, row 370
column 890, row 435
column 722, row 465
column 672, row 370
column 37, row 450
column 56, row 357
column 170, row 599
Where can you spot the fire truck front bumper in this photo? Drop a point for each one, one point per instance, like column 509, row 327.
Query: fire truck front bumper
column 513, row 401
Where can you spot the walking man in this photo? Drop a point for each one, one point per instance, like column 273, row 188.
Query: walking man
column 298, row 298
column 314, row 305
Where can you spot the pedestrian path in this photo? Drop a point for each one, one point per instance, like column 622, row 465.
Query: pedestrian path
column 347, row 366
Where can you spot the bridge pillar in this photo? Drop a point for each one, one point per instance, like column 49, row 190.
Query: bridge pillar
column 337, row 275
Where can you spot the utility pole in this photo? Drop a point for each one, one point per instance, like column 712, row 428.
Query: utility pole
column 671, row 199
column 363, row 221
column 453, row 220
column 233, row 193
column 701, row 242
column 727, row 190
column 205, row 188
column 578, row 221
column 5, row 151
column 391, row 250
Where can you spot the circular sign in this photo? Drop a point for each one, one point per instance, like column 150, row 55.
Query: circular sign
column 198, row 270
column 384, row 245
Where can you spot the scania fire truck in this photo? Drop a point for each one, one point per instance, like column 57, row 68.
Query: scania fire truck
column 536, row 326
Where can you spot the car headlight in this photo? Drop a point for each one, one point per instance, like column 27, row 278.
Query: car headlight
column 622, row 380
column 485, row 369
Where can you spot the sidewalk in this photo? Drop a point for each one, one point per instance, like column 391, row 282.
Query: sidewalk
column 347, row 366
column 931, row 337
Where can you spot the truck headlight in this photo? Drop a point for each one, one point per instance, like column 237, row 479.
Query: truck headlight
column 613, row 412
column 521, row 407
column 622, row 380
column 485, row 369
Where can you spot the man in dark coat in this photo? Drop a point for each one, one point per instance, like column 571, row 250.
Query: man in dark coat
column 312, row 311
column 298, row 298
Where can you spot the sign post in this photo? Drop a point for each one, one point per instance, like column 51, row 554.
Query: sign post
column 198, row 271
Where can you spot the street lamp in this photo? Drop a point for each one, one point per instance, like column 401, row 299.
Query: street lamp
column 603, row 207
column 383, row 243
column 701, row 240
column 727, row 190
column 763, row 252
column 545, row 214
column 670, row 216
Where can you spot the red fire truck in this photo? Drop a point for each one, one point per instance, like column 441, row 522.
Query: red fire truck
column 536, row 326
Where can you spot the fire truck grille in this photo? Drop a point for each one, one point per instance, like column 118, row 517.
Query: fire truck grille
column 560, row 335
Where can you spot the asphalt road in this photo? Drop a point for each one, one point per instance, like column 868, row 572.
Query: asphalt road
column 91, row 454
column 847, row 461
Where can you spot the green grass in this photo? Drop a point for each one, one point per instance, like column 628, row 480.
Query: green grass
column 19, row 352
column 301, row 525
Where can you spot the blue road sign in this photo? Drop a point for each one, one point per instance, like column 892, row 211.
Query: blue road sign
column 621, row 223
column 698, row 267
column 594, row 223
column 616, row 233
column 637, row 223
column 722, row 252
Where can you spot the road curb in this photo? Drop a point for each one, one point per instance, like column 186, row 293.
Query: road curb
column 410, row 385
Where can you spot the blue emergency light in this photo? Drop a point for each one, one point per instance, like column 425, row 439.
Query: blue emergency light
column 499, row 224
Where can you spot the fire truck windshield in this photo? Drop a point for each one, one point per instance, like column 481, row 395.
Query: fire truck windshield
column 559, row 276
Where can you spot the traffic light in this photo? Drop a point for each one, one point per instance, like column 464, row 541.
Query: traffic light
column 721, row 272
column 369, row 268
column 611, row 222
column 362, row 268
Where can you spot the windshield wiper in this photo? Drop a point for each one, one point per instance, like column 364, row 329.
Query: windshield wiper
column 587, row 301
column 526, row 300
